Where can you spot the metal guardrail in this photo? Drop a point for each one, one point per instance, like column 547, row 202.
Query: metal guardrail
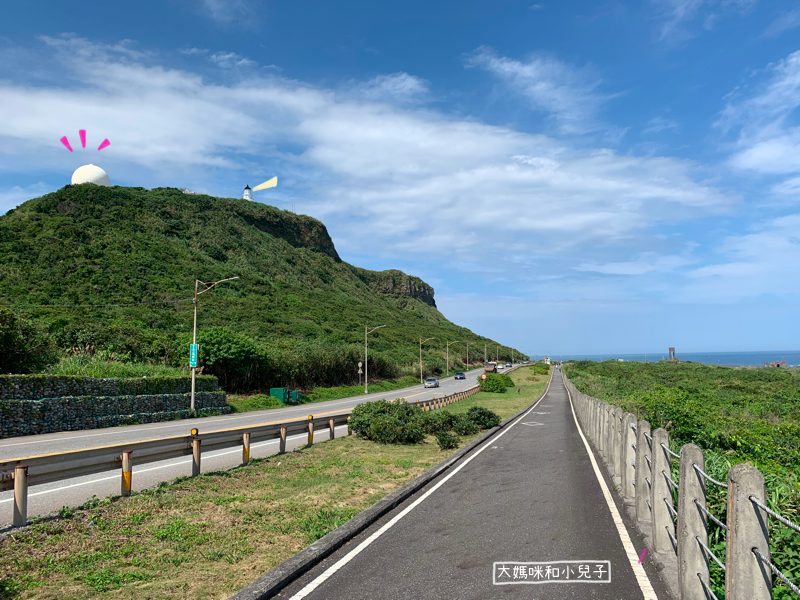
column 20, row 473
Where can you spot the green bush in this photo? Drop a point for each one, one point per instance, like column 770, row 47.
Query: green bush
column 483, row 417
column 23, row 348
column 437, row 421
column 388, row 422
column 495, row 383
column 541, row 369
column 447, row 441
column 463, row 425
column 389, row 429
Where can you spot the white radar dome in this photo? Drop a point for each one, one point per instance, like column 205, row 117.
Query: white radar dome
column 91, row 174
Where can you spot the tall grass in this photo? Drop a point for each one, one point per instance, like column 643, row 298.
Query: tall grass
column 86, row 365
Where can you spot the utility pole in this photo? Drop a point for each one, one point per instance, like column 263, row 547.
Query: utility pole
column 484, row 352
column 447, row 360
column 197, row 292
column 366, row 357
column 497, row 354
column 421, row 341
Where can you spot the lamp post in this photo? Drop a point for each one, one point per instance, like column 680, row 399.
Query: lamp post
column 197, row 292
column 447, row 360
column 366, row 357
column 468, row 345
column 421, row 341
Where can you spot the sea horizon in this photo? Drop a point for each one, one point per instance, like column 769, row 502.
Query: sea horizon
column 732, row 359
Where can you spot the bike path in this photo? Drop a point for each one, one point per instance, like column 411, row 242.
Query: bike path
column 529, row 494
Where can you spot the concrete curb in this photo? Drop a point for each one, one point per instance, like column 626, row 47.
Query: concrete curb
column 271, row 583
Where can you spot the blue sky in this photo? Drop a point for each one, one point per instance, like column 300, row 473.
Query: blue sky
column 570, row 177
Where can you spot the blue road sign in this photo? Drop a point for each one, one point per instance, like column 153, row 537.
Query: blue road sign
column 193, row 355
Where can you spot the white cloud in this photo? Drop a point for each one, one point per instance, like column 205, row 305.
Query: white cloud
column 676, row 15
column 647, row 262
column 397, row 87
column 377, row 173
column 765, row 262
column 229, row 60
column 768, row 141
column 659, row 124
column 785, row 22
column 567, row 93
column 227, row 12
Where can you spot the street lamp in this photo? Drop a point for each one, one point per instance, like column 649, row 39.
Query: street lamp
column 448, row 354
column 197, row 292
column 421, row 341
column 468, row 345
column 366, row 357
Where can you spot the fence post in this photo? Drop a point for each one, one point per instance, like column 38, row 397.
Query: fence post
column 310, row 429
column 661, row 493
column 746, row 576
column 628, row 455
column 246, row 447
column 616, row 449
column 20, row 496
column 195, row 457
column 608, row 454
column 332, row 428
column 349, row 431
column 282, row 448
column 127, row 473
column 642, row 471
column 692, row 523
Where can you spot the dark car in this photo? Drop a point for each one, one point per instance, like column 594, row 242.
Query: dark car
column 460, row 375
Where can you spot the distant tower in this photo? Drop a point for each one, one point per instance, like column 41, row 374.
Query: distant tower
column 248, row 193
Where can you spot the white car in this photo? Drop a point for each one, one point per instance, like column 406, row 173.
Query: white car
column 499, row 366
column 431, row 382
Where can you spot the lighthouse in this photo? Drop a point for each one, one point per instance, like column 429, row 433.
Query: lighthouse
column 248, row 193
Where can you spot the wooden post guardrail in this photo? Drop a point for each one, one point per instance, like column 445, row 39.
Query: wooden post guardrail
column 127, row 473
column 196, row 454
column 20, row 517
column 246, row 447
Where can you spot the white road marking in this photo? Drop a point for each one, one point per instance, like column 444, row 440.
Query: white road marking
column 532, row 424
column 358, row 549
column 638, row 570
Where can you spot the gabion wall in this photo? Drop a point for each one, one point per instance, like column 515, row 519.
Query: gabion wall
column 38, row 387
column 49, row 415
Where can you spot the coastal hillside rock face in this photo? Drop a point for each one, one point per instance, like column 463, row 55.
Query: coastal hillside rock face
column 397, row 284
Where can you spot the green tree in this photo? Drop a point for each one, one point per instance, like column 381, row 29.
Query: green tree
column 23, row 348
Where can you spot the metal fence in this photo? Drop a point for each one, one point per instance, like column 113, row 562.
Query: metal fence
column 640, row 461
column 20, row 473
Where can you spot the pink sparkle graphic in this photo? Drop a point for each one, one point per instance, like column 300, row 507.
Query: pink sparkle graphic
column 104, row 144
column 65, row 141
column 82, row 133
column 642, row 556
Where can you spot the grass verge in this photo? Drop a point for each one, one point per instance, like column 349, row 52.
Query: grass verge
column 208, row 536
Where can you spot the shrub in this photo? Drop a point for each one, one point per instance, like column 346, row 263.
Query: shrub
column 388, row 422
column 389, row 429
column 495, row 383
column 463, row 425
column 447, row 441
column 483, row 417
column 23, row 349
column 437, row 421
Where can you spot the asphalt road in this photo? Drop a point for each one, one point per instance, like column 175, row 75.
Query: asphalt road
column 530, row 494
column 47, row 498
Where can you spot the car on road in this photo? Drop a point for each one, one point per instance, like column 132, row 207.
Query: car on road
column 500, row 366
column 508, row 365
column 460, row 375
column 431, row 382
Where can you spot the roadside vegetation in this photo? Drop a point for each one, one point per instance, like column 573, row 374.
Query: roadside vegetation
column 208, row 536
column 735, row 415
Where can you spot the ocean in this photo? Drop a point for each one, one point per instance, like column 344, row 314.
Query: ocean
column 736, row 359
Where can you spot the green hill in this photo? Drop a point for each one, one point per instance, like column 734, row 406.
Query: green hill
column 295, row 316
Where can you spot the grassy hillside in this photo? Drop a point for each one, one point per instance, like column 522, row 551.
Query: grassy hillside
column 294, row 317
